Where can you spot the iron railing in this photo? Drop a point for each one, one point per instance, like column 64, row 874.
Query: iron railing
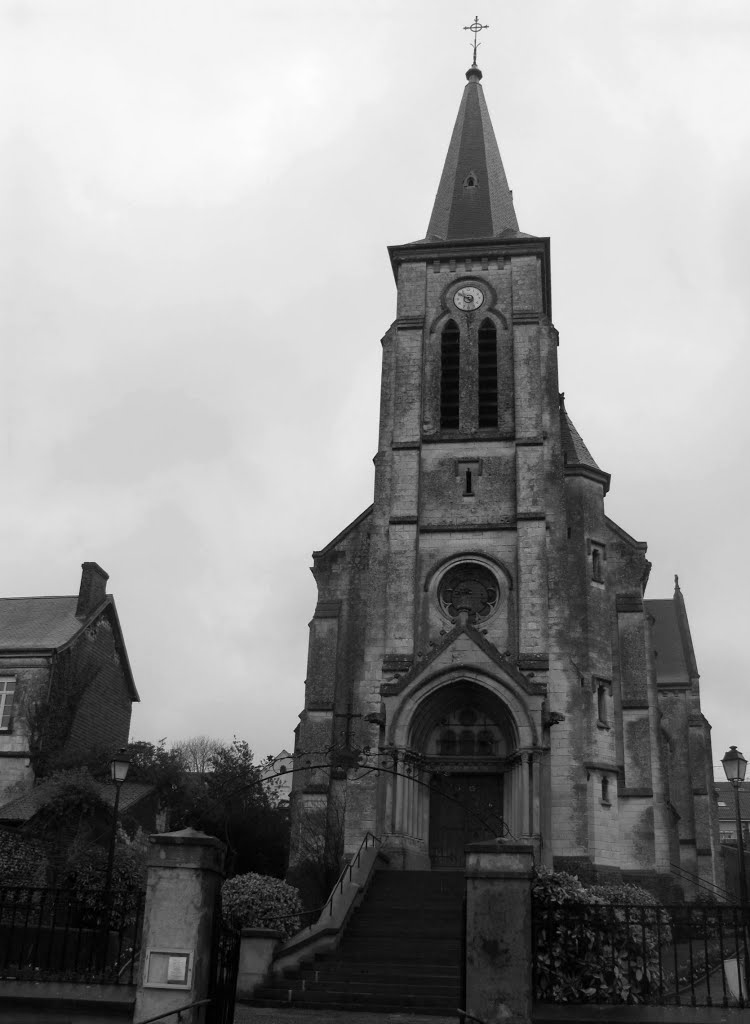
column 308, row 918
column 56, row 935
column 225, row 962
column 680, row 955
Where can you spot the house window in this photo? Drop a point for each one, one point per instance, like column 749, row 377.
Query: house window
column 487, row 375
column 450, row 359
column 7, row 694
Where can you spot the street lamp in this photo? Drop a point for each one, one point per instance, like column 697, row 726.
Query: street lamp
column 735, row 766
column 118, row 769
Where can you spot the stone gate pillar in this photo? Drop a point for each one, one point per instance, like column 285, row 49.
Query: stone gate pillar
column 498, row 931
column 185, row 870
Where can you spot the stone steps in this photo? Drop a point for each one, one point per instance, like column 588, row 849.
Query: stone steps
column 401, row 951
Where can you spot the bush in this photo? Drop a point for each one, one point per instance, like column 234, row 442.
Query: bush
column 590, row 947
column 259, row 901
column 22, row 861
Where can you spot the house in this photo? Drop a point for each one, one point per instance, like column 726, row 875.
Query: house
column 66, row 686
column 483, row 660
column 278, row 775
column 727, row 812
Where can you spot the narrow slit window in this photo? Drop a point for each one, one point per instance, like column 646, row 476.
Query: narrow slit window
column 605, row 790
column 450, row 358
column 469, row 489
column 596, row 565
column 487, row 383
column 601, row 702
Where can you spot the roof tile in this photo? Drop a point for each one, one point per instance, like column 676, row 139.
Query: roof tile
column 29, row 623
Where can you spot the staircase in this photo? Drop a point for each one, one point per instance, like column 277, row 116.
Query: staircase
column 400, row 951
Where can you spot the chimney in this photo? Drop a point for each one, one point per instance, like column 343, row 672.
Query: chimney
column 93, row 589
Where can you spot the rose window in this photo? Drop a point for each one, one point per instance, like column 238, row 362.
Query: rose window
column 469, row 588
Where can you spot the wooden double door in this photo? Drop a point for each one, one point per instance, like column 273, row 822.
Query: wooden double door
column 464, row 808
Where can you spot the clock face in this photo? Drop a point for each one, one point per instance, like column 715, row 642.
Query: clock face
column 468, row 298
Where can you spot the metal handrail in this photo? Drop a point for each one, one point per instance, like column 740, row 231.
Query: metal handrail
column 338, row 884
column 178, row 1011
column 702, row 883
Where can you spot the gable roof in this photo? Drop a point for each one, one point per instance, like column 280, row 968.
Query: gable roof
column 502, row 661
column 671, row 666
column 38, row 623
column 24, row 807
column 44, row 625
column 675, row 657
column 726, row 797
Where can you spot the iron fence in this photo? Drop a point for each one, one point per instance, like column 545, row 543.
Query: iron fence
column 56, row 935
column 680, row 955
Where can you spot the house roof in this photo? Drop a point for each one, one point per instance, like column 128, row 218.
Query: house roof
column 34, row 623
column 42, row 625
column 24, row 807
column 726, row 797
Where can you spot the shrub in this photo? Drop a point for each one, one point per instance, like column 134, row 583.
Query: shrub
column 22, row 860
column 259, row 901
column 591, row 946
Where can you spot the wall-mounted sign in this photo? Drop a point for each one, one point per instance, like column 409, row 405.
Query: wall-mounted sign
column 169, row 968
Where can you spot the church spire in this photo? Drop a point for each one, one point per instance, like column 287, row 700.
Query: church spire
column 473, row 199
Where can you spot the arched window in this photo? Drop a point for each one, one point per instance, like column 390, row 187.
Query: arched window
column 447, row 743
column 485, row 743
column 466, row 743
column 450, row 359
column 487, row 375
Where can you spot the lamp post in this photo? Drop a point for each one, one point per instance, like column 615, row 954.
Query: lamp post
column 735, row 766
column 118, row 769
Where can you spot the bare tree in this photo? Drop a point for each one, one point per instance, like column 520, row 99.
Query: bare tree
column 197, row 753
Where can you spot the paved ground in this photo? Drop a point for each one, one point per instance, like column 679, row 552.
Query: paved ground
column 264, row 1015
column 243, row 1015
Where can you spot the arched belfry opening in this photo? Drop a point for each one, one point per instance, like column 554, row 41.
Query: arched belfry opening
column 464, row 775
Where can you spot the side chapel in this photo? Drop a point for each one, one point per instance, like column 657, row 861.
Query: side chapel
column 483, row 624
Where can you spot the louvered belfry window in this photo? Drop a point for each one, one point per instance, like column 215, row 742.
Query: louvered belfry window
column 450, row 368
column 487, row 375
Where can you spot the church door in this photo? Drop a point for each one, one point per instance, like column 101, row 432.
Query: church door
column 463, row 809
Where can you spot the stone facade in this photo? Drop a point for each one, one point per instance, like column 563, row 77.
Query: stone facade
column 482, row 625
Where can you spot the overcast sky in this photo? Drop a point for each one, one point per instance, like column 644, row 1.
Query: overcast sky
column 197, row 197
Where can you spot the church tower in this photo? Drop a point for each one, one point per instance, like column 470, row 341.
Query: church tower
column 481, row 658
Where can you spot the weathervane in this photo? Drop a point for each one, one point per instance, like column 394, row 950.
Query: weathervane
column 475, row 27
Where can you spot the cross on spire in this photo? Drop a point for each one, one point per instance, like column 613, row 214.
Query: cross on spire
column 475, row 27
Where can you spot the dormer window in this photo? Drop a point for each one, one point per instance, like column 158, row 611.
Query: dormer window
column 470, row 181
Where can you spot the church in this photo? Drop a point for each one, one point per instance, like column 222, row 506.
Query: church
column 483, row 660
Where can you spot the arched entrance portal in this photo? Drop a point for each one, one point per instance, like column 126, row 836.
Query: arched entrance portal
column 463, row 777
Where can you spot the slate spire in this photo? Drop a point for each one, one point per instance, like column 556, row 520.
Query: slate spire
column 473, row 199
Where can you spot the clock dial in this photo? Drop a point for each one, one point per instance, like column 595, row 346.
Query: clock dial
column 468, row 298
